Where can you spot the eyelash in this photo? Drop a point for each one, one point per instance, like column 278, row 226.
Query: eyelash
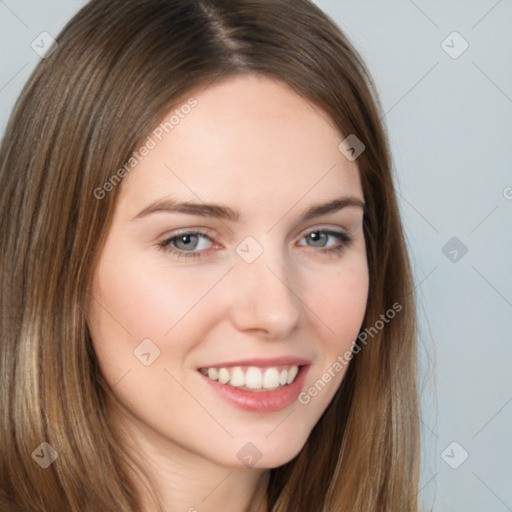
column 165, row 245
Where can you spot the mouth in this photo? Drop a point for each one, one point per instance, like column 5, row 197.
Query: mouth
column 253, row 378
column 257, row 388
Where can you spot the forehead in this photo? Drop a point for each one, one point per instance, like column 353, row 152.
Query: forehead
column 248, row 140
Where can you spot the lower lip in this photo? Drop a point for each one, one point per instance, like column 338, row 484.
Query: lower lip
column 261, row 401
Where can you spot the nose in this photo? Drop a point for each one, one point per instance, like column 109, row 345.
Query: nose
column 262, row 296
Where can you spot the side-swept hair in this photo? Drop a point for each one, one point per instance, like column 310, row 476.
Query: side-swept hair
column 119, row 67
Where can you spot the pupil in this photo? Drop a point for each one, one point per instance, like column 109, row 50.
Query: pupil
column 317, row 237
column 186, row 241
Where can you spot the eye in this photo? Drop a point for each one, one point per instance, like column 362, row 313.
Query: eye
column 320, row 238
column 186, row 244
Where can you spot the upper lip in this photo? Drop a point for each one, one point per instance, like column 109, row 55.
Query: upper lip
column 262, row 362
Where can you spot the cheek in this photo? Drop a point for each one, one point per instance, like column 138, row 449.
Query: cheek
column 340, row 299
column 133, row 301
column 147, row 300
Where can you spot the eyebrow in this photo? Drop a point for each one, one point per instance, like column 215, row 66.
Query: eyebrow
column 222, row 212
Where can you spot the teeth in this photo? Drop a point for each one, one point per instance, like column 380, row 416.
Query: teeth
column 271, row 378
column 292, row 374
column 223, row 376
column 237, row 377
column 253, row 378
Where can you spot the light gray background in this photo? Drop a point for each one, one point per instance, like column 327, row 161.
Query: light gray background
column 450, row 124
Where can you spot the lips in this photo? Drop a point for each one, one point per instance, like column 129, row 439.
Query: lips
column 258, row 385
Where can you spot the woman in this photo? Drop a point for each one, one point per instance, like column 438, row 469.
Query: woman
column 199, row 232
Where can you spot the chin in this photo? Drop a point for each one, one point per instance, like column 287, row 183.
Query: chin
column 267, row 453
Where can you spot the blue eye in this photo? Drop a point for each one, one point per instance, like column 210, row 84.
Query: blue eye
column 191, row 244
column 320, row 238
column 186, row 244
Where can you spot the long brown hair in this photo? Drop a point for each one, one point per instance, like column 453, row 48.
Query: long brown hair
column 119, row 66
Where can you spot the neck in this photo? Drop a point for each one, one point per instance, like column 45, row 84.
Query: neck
column 183, row 481
column 204, row 488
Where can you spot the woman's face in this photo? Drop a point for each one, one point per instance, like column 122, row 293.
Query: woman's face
column 229, row 252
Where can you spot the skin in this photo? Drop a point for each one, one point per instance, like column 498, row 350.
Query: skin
column 256, row 146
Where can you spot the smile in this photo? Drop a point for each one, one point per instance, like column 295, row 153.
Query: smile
column 257, row 389
column 253, row 378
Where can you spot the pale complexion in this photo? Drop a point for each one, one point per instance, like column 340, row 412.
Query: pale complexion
column 255, row 146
